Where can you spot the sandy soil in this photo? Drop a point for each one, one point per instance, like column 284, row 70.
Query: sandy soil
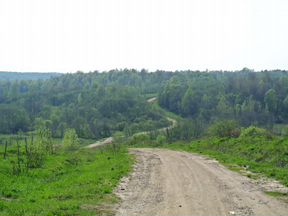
column 106, row 141
column 166, row 182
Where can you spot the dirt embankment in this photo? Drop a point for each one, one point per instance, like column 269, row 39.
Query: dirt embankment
column 166, row 182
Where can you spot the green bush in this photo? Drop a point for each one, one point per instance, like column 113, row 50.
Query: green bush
column 139, row 139
column 161, row 139
column 71, row 140
column 225, row 128
column 253, row 131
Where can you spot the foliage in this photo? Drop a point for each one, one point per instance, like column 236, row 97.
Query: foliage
column 161, row 139
column 13, row 119
column 225, row 128
column 71, row 140
column 245, row 96
column 38, row 147
column 99, row 104
column 186, row 129
column 253, row 131
column 95, row 104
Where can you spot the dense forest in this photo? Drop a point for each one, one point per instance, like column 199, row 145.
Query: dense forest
column 98, row 104
column 95, row 104
column 258, row 98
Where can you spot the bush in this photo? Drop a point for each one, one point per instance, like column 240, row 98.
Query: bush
column 38, row 148
column 253, row 131
column 71, row 140
column 139, row 139
column 226, row 128
column 161, row 139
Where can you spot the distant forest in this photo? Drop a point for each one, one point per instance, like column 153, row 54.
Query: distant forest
column 27, row 76
column 98, row 104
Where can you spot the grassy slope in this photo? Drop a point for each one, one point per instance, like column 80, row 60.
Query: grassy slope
column 70, row 183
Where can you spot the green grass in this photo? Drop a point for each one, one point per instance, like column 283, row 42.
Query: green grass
column 70, row 183
column 276, row 194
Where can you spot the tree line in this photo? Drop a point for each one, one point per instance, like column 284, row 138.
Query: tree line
column 98, row 104
column 95, row 104
column 251, row 98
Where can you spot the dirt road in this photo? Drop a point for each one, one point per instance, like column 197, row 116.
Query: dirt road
column 105, row 141
column 166, row 182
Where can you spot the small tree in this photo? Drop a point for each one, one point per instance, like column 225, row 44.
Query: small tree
column 71, row 140
column 45, row 140
column 35, row 151
column 161, row 139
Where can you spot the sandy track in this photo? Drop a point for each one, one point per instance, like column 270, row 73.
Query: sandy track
column 166, row 182
column 106, row 141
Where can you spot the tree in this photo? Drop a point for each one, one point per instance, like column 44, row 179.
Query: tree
column 44, row 137
column 223, row 107
column 285, row 103
column 271, row 100
column 190, row 101
column 71, row 140
column 13, row 119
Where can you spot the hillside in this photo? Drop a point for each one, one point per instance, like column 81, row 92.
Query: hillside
column 92, row 103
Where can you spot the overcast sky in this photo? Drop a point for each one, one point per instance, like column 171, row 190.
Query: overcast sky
column 87, row 35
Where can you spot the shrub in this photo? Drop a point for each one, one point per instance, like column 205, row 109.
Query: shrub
column 71, row 140
column 161, row 139
column 226, row 128
column 139, row 139
column 253, row 131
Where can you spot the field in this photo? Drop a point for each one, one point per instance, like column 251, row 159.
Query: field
column 74, row 182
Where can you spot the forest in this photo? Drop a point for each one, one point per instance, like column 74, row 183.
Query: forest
column 98, row 104
column 95, row 104
column 4, row 75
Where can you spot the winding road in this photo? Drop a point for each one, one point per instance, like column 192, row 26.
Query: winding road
column 109, row 140
column 170, row 183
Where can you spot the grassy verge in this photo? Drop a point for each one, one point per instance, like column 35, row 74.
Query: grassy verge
column 70, row 183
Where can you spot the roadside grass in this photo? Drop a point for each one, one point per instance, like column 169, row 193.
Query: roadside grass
column 77, row 182
column 278, row 195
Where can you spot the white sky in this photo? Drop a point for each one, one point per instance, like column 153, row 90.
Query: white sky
column 71, row 35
